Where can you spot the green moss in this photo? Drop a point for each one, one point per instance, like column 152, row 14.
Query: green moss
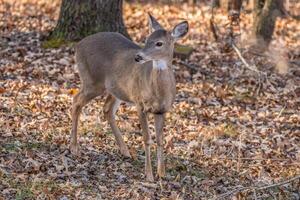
column 17, row 146
column 53, row 43
column 11, row 147
column 24, row 193
column 177, row 166
column 29, row 189
column 230, row 130
column 182, row 49
column 137, row 163
column 246, row 97
column 33, row 145
column 50, row 185
column 56, row 42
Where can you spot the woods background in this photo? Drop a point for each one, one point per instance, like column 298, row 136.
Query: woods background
column 233, row 132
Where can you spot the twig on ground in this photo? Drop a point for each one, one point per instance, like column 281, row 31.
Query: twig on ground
column 239, row 153
column 256, row 188
column 263, row 77
column 229, row 193
column 188, row 65
column 212, row 24
column 295, row 62
column 277, row 184
column 253, row 67
column 280, row 113
column 230, row 41
column 255, row 159
column 213, row 29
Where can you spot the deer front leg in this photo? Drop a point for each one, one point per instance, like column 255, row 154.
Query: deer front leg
column 110, row 108
column 147, row 143
column 159, row 124
column 80, row 100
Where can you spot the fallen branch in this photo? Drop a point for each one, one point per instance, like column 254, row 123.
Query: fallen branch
column 262, row 75
column 277, row 184
column 253, row 67
column 189, row 66
column 280, row 113
column 255, row 188
column 230, row 42
column 212, row 24
column 213, row 29
column 254, row 159
column 222, row 196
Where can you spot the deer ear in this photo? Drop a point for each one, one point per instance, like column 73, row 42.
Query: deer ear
column 153, row 24
column 180, row 30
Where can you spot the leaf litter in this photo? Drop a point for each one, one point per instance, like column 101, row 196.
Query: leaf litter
column 220, row 136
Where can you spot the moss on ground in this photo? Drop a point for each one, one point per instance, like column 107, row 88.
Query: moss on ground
column 56, row 43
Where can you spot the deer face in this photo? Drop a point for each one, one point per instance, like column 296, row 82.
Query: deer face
column 160, row 43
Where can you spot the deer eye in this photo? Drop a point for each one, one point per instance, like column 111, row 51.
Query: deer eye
column 158, row 44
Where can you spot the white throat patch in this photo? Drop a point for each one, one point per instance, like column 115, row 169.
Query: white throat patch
column 160, row 64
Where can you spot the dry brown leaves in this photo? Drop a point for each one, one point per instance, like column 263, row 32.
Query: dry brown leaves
column 220, row 135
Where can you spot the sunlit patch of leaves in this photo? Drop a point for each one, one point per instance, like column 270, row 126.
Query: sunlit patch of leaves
column 220, row 133
column 17, row 146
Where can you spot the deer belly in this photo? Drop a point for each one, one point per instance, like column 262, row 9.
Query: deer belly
column 156, row 107
column 118, row 92
column 121, row 95
column 157, row 101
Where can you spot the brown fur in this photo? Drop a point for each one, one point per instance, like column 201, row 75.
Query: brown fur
column 106, row 62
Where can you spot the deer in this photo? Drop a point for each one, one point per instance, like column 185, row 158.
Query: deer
column 109, row 63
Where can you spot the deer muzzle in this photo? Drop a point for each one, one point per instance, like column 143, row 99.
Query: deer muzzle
column 139, row 58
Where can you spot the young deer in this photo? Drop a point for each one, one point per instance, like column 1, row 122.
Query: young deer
column 143, row 76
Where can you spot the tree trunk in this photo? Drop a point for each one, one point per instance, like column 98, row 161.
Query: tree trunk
column 265, row 14
column 234, row 5
column 280, row 7
column 79, row 18
column 216, row 3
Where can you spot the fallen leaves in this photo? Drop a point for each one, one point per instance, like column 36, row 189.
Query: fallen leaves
column 73, row 91
column 2, row 90
column 219, row 135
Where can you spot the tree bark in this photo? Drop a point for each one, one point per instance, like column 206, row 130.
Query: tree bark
column 280, row 6
column 265, row 14
column 79, row 18
column 216, row 3
column 234, row 5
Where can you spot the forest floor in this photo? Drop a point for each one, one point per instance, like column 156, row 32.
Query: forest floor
column 231, row 131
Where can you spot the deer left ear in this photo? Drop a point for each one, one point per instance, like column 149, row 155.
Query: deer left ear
column 180, row 30
column 153, row 24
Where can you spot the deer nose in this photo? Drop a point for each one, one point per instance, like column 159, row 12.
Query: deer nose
column 138, row 58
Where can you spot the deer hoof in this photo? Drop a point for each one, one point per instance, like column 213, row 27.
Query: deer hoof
column 74, row 150
column 149, row 178
column 126, row 153
column 161, row 171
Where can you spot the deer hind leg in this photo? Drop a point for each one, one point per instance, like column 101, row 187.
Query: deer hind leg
column 147, row 143
column 79, row 101
column 110, row 109
column 159, row 123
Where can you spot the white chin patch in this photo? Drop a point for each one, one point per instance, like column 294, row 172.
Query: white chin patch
column 142, row 61
column 160, row 64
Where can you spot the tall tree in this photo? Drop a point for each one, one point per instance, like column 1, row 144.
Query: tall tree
column 235, row 5
column 265, row 14
column 79, row 18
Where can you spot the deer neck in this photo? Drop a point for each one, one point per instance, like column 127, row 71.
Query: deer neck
column 160, row 70
column 161, row 75
column 160, row 64
column 155, row 83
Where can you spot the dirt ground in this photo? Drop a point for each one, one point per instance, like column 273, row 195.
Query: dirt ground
column 230, row 135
